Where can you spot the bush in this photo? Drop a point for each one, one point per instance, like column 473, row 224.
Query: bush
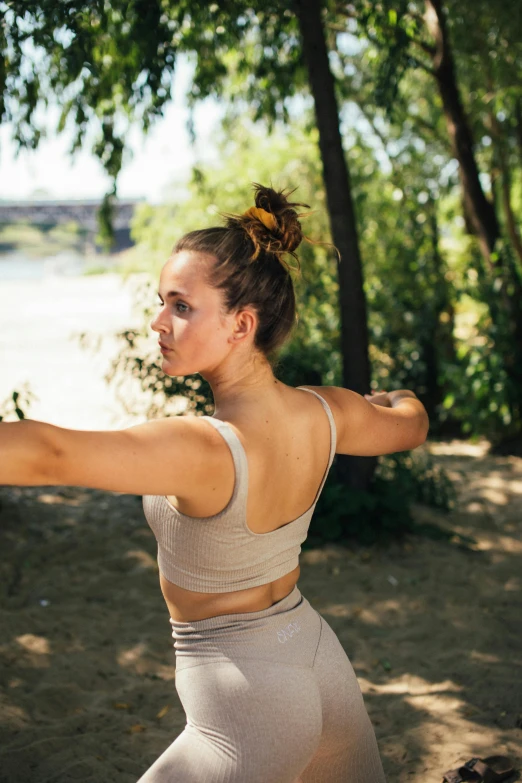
column 13, row 406
column 384, row 511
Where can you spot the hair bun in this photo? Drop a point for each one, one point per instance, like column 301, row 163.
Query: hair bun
column 266, row 218
column 273, row 224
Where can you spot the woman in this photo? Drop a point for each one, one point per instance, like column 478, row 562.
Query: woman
column 269, row 693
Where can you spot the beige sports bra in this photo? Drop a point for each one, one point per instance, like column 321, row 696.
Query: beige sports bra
column 220, row 553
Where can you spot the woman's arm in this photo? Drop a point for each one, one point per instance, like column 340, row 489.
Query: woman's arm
column 161, row 457
column 395, row 421
column 23, row 452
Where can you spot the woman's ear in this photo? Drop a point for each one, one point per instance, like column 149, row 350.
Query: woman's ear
column 245, row 325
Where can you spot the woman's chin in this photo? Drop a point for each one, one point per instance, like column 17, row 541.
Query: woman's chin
column 171, row 367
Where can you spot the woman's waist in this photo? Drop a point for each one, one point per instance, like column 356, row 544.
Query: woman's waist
column 188, row 606
column 286, row 632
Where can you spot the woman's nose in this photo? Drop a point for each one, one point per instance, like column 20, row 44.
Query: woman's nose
column 156, row 325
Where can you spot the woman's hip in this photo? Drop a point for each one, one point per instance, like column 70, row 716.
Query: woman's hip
column 287, row 632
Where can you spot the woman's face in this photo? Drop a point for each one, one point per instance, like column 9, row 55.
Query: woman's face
column 190, row 323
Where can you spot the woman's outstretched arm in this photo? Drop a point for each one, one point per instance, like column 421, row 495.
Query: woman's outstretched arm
column 161, row 457
column 396, row 421
column 23, row 452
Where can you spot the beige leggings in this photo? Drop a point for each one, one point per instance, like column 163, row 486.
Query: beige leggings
column 270, row 697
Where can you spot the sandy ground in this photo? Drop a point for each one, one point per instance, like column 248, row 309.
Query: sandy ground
column 433, row 628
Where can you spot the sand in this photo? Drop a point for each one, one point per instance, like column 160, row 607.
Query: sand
column 433, row 628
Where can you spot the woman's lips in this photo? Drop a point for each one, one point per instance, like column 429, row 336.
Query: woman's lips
column 163, row 348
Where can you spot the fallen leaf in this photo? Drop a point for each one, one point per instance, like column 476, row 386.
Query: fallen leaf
column 163, row 711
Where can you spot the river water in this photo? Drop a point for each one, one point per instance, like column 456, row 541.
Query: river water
column 44, row 303
column 18, row 266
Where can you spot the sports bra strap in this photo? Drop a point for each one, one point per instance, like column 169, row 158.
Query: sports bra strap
column 240, row 491
column 333, row 433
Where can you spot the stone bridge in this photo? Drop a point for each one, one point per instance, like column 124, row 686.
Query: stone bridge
column 52, row 213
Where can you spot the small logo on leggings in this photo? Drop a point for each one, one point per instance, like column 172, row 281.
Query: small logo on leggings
column 286, row 633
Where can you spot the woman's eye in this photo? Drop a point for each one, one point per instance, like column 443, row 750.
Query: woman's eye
column 177, row 305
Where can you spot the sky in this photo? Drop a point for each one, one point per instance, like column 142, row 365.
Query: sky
column 154, row 162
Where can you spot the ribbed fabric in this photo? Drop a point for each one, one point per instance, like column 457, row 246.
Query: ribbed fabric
column 270, row 697
column 220, row 553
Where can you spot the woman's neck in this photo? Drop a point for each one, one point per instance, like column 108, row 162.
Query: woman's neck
column 246, row 385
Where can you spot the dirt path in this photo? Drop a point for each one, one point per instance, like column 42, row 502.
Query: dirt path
column 433, row 628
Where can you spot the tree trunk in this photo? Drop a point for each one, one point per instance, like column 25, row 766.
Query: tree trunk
column 356, row 471
column 438, row 342
column 478, row 208
column 502, row 162
column 518, row 117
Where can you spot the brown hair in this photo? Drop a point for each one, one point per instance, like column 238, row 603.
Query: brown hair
column 250, row 266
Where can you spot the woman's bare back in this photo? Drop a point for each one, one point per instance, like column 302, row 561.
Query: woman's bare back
column 287, row 454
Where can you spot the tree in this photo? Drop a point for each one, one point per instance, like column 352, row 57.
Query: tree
column 354, row 333
column 416, row 36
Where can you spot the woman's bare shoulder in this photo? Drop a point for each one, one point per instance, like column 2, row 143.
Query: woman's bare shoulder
column 159, row 457
column 366, row 430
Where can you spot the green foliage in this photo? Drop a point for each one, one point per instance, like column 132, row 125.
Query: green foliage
column 416, row 270
column 395, row 67
column 17, row 403
column 480, row 392
column 105, row 235
column 111, row 65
